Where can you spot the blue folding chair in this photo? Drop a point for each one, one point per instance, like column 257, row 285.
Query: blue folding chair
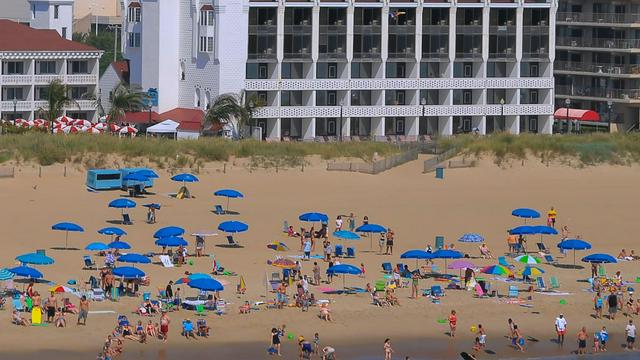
column 549, row 259
column 436, row 290
column 386, row 267
column 219, row 210
column 126, row 219
column 351, row 252
column 513, row 291
column 503, row 261
column 339, row 250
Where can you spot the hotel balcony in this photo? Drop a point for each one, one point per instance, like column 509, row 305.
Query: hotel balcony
column 535, row 54
column 77, row 79
column 590, row 44
column 604, row 69
column 598, row 94
column 599, row 19
column 7, row 106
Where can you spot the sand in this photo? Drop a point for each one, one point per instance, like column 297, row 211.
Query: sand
column 598, row 203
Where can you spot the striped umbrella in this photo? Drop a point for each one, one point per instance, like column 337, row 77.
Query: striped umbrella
column 472, row 238
column 60, row 289
column 6, row 274
column 496, row 270
column 278, row 246
column 532, row 271
column 528, row 259
column 128, row 130
column 283, row 263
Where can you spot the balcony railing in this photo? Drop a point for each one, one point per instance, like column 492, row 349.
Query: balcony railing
column 439, row 54
column 16, row 79
column 333, row 29
column 475, row 53
column 402, row 29
column 541, row 53
column 435, row 29
column 599, row 69
column 7, row 106
column 601, row 18
column 508, row 54
column 589, row 91
column 407, row 53
column 623, row 44
column 367, row 29
column 371, row 54
column 469, row 29
column 502, row 29
column 263, row 29
column 300, row 54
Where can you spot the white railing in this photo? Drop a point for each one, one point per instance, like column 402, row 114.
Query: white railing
column 398, row 84
column 7, row 106
column 16, row 79
column 401, row 110
column 46, row 79
column 84, row 105
column 82, row 79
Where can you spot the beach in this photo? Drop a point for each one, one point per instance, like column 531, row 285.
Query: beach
column 597, row 203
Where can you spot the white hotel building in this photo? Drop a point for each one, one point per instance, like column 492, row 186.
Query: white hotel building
column 353, row 68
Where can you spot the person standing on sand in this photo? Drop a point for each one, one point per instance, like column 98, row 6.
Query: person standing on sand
column 339, row 223
column 604, row 337
column 631, row 335
column 52, row 305
column 84, row 310
column 164, row 326
column 582, row 341
column 415, row 279
column 597, row 303
column 612, row 301
column 316, row 273
column 511, row 325
column 453, row 322
column 275, row 340
column 482, row 336
column 551, row 217
column 390, row 236
column 561, row 328
column 518, row 339
column 388, row 350
column 352, row 222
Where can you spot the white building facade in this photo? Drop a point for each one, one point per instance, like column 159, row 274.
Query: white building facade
column 36, row 58
column 370, row 69
column 53, row 14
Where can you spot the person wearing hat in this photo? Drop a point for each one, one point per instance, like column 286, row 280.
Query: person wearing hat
column 561, row 328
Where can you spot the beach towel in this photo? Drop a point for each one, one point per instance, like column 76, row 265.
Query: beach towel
column 36, row 316
column 166, row 261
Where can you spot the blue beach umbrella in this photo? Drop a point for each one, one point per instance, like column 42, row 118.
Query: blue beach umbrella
column 313, row 217
column 171, row 241
column 6, row 275
column 168, row 231
column 344, row 269
column 447, row 254
column 574, row 244
column 371, row 229
column 471, row 238
column 120, row 245
column 185, row 178
column 417, row 254
column 135, row 177
column 112, row 230
column 205, row 284
column 523, row 230
column 128, row 272
column 35, row 259
column 233, row 227
column 97, row 246
column 346, row 235
column 599, row 259
column 122, row 203
column 66, row 227
column 229, row 194
column 134, row 259
column 25, row 271
column 525, row 213
column 153, row 206
column 148, row 173
column 532, row 271
column 545, row 230
column 192, row 277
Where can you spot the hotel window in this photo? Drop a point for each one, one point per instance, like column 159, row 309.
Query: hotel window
column 134, row 12
column 79, row 67
column 13, row 93
column 41, row 93
column 46, row 67
column 56, row 11
column 206, row 16
column 134, row 39
column 206, row 44
column 13, row 68
column 78, row 92
column 64, row 32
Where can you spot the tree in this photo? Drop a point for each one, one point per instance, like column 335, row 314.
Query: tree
column 224, row 109
column 124, row 99
column 250, row 104
column 105, row 41
column 57, row 99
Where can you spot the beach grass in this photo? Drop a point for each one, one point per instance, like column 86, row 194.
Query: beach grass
column 588, row 149
column 46, row 149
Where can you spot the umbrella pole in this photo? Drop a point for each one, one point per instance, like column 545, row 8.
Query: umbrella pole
column 344, row 277
column 227, row 205
column 66, row 240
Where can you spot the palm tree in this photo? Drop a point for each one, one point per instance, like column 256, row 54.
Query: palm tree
column 57, row 99
column 250, row 104
column 124, row 99
column 224, row 109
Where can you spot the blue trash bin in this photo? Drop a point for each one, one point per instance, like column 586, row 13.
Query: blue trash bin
column 439, row 173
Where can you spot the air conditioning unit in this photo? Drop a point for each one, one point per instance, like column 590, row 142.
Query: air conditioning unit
column 304, row 51
column 374, row 50
column 543, row 23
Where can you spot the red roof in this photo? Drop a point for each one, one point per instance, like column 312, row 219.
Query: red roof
column 134, row 4
column 122, row 69
column 141, row 117
column 190, row 126
column 18, row 37
column 181, row 115
column 206, row 7
column 576, row 114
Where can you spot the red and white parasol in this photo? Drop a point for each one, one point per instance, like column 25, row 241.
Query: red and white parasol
column 71, row 129
column 93, row 130
column 114, row 128
column 40, row 123
column 64, row 119
column 128, row 130
column 100, row 126
column 82, row 123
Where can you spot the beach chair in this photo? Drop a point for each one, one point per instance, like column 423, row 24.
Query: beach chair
column 286, row 274
column 602, row 272
column 517, row 248
column 275, row 276
column 513, row 291
column 400, row 267
column 439, row 244
column 542, row 248
column 285, row 226
column 97, row 294
column 554, row 282
column 339, row 250
column 550, row 260
column 386, row 267
column 146, row 296
column 41, row 252
column 231, row 241
column 540, row 284
column 503, row 261
column 200, row 310
column 219, row 210
column 380, row 285
column 126, row 219
column 436, row 290
column 221, row 307
column 203, row 329
column 351, row 252
column 89, row 264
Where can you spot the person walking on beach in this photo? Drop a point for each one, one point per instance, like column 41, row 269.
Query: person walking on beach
column 518, row 339
column 52, row 305
column 316, row 273
column 388, row 350
column 551, row 217
column 631, row 335
column 482, row 336
column 604, row 337
column 510, row 334
column 597, row 303
column 352, row 222
column 561, row 328
column 612, row 301
column 164, row 326
column 453, row 322
column 415, row 279
column 84, row 310
column 390, row 235
column 275, row 340
column 582, row 341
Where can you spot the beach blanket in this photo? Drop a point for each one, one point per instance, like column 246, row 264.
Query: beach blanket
column 553, row 293
column 311, row 257
column 101, row 312
column 166, row 261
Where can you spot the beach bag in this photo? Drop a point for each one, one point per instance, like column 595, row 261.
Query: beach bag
column 272, row 351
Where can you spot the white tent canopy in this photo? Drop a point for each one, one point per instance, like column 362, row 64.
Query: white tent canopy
column 166, row 127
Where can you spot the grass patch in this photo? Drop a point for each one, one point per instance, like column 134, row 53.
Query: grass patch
column 46, row 149
column 591, row 149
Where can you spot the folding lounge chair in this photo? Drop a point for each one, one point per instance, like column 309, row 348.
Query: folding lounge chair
column 17, row 304
column 231, row 241
column 503, row 261
column 386, row 267
column 554, row 282
column 351, row 252
column 97, row 294
column 126, row 219
column 89, row 264
column 436, row 290
column 549, row 259
column 542, row 248
column 380, row 285
column 513, row 291
column 219, row 210
column 540, row 283
column 275, row 276
column 339, row 250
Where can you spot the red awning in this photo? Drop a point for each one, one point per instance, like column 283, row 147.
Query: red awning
column 576, row 114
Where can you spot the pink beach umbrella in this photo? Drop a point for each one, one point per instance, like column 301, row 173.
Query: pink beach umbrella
column 82, row 123
column 40, row 123
column 70, row 129
column 20, row 122
column 460, row 265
